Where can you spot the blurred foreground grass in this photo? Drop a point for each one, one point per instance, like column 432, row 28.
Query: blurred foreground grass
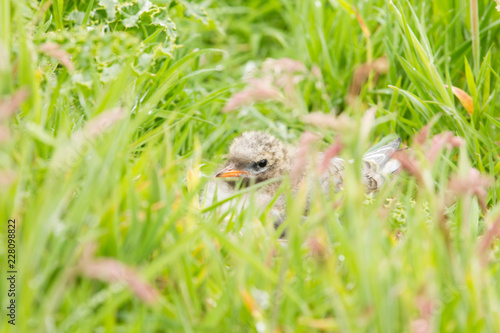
column 111, row 120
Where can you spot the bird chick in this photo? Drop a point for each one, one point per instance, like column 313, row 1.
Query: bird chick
column 255, row 157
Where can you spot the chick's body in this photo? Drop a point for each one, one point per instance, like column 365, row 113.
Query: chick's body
column 255, row 157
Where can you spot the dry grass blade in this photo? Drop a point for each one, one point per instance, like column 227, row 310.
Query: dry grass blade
column 257, row 90
column 278, row 66
column 440, row 141
column 464, row 98
column 54, row 50
column 306, row 140
column 69, row 154
column 4, row 133
column 330, row 153
column 102, row 122
column 275, row 80
column 322, row 120
column 112, row 271
column 361, row 75
column 422, row 135
column 409, row 164
column 7, row 177
column 9, row 105
column 473, row 184
column 487, row 240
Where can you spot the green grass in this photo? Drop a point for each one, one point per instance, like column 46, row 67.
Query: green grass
column 412, row 257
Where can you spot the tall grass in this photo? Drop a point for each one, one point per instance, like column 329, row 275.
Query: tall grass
column 120, row 124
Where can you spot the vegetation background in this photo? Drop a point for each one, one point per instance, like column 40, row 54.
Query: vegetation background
column 114, row 113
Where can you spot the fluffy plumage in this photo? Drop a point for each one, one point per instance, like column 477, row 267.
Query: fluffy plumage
column 257, row 156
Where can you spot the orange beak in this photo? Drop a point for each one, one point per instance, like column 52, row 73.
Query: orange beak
column 230, row 171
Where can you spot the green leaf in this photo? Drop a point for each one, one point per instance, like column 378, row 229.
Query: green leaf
column 195, row 11
column 110, row 8
column 109, row 73
column 143, row 63
column 76, row 17
column 470, row 81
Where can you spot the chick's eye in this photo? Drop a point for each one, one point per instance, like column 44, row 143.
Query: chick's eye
column 262, row 163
